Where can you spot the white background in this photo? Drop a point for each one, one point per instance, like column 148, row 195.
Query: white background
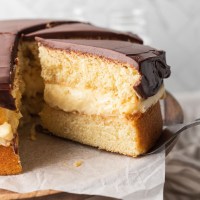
column 172, row 25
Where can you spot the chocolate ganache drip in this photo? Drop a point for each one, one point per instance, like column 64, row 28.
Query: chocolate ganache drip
column 153, row 71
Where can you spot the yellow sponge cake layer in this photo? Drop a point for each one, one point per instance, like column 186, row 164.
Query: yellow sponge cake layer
column 90, row 84
column 130, row 135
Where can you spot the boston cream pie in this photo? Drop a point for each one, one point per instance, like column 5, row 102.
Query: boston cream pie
column 92, row 85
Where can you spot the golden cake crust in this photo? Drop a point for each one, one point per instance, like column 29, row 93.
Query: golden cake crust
column 9, row 161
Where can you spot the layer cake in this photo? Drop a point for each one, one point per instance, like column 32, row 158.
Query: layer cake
column 95, row 93
column 88, row 84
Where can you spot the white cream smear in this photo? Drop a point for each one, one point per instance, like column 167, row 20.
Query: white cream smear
column 6, row 134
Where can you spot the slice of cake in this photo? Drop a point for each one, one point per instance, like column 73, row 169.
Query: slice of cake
column 103, row 93
column 100, row 88
column 21, row 85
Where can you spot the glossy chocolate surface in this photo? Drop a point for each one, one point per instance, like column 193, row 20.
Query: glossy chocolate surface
column 83, row 30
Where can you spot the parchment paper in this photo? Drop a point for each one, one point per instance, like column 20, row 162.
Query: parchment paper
column 49, row 163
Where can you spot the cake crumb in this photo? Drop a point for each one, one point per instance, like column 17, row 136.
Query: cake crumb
column 65, row 164
column 78, row 163
column 33, row 133
column 33, row 137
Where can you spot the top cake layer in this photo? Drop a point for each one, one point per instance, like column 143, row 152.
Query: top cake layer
column 149, row 62
column 12, row 31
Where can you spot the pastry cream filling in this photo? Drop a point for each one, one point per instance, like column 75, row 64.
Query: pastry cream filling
column 9, row 121
column 6, row 134
column 94, row 102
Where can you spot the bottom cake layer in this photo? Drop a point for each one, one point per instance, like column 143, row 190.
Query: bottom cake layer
column 131, row 135
column 9, row 161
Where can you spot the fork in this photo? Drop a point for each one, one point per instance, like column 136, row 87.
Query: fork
column 169, row 136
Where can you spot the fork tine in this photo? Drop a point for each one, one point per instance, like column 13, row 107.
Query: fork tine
column 175, row 131
column 165, row 146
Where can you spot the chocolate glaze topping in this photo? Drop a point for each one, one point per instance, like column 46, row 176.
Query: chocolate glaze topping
column 83, row 30
column 150, row 62
column 13, row 30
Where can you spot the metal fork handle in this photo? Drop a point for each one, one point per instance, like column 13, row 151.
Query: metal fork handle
column 179, row 128
column 176, row 130
column 182, row 128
